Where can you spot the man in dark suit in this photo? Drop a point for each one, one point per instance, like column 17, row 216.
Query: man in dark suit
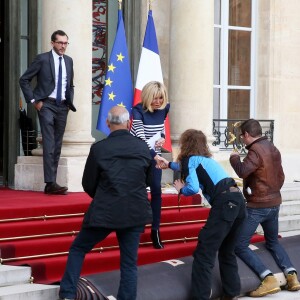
column 116, row 174
column 52, row 97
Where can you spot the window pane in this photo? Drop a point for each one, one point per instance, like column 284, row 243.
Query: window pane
column 217, row 10
column 24, row 17
column 239, row 55
column 240, row 13
column 216, row 111
column 24, row 55
column 238, row 104
column 217, row 56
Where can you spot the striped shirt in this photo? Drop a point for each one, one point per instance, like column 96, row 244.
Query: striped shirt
column 146, row 124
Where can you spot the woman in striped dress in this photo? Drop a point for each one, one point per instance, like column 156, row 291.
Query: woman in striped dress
column 148, row 119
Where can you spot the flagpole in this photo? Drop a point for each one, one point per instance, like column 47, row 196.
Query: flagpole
column 150, row 68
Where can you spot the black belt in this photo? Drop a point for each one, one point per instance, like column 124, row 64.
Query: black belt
column 232, row 189
column 53, row 99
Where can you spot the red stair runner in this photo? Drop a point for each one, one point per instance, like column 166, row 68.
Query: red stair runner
column 37, row 230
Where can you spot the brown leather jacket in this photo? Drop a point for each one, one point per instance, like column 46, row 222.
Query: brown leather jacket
column 262, row 174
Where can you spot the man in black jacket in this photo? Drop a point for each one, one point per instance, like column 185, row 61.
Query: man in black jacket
column 52, row 97
column 116, row 175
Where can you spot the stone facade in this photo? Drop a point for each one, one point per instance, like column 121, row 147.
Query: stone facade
column 186, row 41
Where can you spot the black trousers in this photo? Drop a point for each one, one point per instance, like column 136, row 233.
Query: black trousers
column 219, row 236
column 156, row 195
column 53, row 120
column 87, row 238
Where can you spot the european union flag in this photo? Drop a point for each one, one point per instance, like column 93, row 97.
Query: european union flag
column 118, row 88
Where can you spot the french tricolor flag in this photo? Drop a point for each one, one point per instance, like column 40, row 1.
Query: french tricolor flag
column 150, row 70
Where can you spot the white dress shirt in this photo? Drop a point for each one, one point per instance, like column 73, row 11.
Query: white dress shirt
column 64, row 76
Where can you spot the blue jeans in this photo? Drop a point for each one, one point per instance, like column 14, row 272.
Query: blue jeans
column 268, row 218
column 87, row 238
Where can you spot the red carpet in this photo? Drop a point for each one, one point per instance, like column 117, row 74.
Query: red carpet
column 18, row 204
column 38, row 229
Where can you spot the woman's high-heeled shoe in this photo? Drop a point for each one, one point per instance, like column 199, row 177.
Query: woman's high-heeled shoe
column 156, row 241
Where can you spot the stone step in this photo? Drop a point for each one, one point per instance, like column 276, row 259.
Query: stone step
column 15, row 284
column 29, row 292
column 290, row 191
column 289, row 223
column 291, row 207
column 11, row 275
column 290, row 233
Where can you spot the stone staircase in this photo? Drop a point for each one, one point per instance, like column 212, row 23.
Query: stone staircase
column 289, row 217
column 16, row 284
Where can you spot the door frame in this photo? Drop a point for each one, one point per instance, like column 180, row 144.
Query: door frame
column 10, row 93
column 11, row 54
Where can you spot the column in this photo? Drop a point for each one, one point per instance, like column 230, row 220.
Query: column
column 191, row 65
column 278, row 76
column 75, row 18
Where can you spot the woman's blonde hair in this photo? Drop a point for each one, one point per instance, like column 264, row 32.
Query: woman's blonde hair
column 193, row 142
column 152, row 90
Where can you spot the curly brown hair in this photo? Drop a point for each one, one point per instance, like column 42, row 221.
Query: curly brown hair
column 193, row 142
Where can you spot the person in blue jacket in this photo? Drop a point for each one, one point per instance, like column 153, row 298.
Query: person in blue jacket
column 199, row 171
column 148, row 119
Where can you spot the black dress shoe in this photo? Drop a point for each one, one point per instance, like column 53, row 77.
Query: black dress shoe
column 156, row 241
column 55, row 189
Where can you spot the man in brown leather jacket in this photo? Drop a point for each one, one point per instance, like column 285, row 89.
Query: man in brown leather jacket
column 263, row 178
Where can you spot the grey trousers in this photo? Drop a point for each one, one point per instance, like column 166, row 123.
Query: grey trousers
column 53, row 120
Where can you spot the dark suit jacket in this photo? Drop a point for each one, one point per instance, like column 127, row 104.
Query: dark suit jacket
column 43, row 69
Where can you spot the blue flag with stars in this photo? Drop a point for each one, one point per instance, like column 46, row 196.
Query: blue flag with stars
column 118, row 88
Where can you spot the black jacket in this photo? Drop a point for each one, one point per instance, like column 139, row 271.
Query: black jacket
column 116, row 175
column 43, row 69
